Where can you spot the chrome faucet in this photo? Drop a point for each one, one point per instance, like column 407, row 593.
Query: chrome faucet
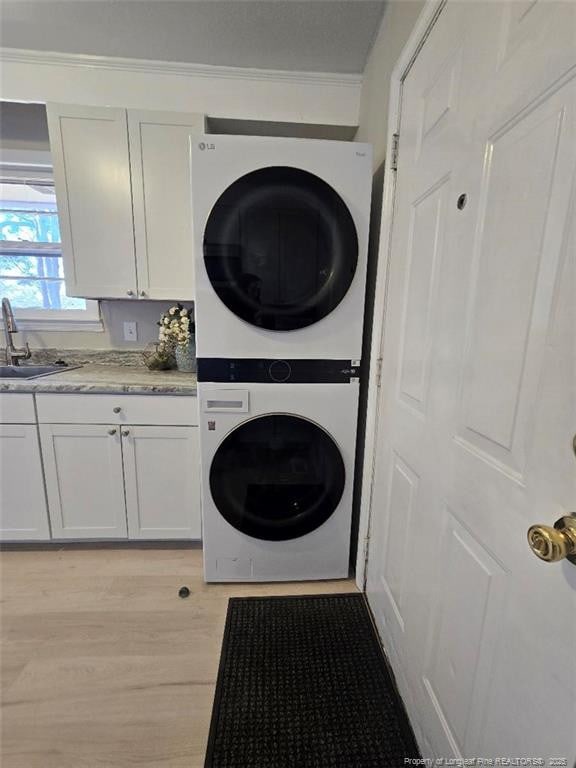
column 13, row 354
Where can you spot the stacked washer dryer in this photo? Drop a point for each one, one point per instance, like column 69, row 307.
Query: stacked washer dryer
column 281, row 233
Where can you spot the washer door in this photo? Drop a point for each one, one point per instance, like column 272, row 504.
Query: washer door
column 280, row 248
column 277, row 477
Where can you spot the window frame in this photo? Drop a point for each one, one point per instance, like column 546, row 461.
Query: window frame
column 33, row 319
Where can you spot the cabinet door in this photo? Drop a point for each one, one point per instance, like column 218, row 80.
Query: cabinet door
column 92, row 176
column 160, row 166
column 162, row 476
column 83, row 469
column 23, row 512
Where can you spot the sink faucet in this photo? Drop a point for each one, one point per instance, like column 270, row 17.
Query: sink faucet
column 13, row 355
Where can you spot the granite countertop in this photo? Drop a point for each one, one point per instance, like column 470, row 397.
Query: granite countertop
column 102, row 373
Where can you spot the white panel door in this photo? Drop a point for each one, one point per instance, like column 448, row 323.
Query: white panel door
column 90, row 155
column 477, row 404
column 23, row 511
column 160, row 164
column 162, row 476
column 84, row 482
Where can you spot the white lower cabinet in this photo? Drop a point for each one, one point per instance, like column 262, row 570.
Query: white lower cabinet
column 118, row 480
column 84, row 480
column 23, row 513
column 161, row 479
column 76, row 466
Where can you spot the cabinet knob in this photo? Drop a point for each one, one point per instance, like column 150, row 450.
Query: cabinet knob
column 125, row 433
column 143, row 293
column 111, row 431
column 117, row 409
column 129, row 293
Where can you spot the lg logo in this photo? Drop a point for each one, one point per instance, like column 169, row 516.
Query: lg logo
column 202, row 146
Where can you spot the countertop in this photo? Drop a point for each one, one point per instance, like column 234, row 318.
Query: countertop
column 107, row 378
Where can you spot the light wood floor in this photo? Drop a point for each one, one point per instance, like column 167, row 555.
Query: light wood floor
column 103, row 665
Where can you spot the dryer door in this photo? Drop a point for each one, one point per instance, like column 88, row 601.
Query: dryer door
column 277, row 477
column 280, row 248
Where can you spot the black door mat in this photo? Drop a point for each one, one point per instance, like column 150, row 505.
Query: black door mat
column 303, row 683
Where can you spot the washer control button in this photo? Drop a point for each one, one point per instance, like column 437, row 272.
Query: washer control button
column 279, row 371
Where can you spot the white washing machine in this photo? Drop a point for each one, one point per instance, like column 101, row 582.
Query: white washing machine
column 277, row 470
column 280, row 243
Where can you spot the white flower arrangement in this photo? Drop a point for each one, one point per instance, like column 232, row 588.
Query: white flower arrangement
column 176, row 327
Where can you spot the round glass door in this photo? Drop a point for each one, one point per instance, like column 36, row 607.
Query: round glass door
column 277, row 477
column 280, row 248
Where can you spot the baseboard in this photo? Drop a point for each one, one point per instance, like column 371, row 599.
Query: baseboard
column 95, row 544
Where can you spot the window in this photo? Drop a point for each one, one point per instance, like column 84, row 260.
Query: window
column 31, row 265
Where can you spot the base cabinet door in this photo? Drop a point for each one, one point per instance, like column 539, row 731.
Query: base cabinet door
column 83, row 470
column 162, row 477
column 23, row 512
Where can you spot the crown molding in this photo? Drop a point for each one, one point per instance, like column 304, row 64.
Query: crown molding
column 182, row 69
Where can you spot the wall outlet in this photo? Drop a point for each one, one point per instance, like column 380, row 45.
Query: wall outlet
column 130, row 331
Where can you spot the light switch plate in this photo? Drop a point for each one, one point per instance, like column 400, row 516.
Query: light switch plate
column 130, row 332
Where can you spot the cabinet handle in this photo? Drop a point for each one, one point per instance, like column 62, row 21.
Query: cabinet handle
column 111, row 431
column 129, row 293
column 126, row 433
column 117, row 409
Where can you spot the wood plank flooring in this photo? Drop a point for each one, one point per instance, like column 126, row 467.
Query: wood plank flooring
column 102, row 665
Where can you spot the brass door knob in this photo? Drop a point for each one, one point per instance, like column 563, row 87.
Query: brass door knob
column 554, row 544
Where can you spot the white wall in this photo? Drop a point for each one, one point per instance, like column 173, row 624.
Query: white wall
column 114, row 314
column 217, row 91
column 291, row 97
column 397, row 23
column 286, row 97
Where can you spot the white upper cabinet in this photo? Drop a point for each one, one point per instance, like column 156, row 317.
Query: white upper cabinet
column 123, row 189
column 161, row 192
column 90, row 155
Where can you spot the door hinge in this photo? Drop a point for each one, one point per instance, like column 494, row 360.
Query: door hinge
column 378, row 371
column 394, row 158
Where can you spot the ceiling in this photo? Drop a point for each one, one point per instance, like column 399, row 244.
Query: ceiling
column 301, row 35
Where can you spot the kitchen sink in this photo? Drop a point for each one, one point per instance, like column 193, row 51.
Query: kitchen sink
column 30, row 371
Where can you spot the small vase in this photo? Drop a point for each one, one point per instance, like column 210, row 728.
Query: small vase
column 186, row 356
